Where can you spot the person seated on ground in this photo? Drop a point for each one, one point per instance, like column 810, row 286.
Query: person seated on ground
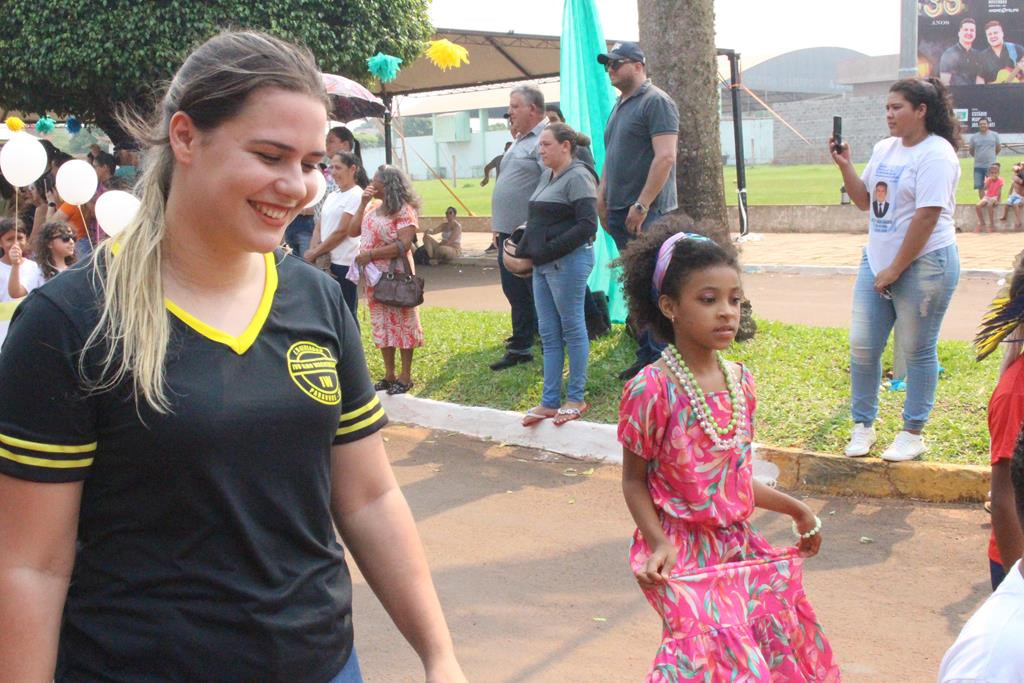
column 450, row 246
column 54, row 251
column 988, row 648
column 1015, row 201
column 993, row 191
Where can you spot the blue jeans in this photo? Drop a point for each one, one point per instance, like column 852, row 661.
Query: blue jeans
column 979, row 177
column 919, row 301
column 558, row 289
column 298, row 234
column 351, row 672
column 648, row 348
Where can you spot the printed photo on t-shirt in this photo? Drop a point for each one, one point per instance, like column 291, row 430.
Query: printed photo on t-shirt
column 883, row 197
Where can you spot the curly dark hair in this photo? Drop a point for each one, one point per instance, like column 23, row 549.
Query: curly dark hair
column 940, row 117
column 1017, row 474
column 688, row 256
column 48, row 232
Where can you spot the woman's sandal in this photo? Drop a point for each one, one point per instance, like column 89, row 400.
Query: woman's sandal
column 399, row 387
column 569, row 414
column 383, row 385
column 535, row 416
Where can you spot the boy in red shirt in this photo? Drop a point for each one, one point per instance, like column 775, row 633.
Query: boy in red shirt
column 993, row 195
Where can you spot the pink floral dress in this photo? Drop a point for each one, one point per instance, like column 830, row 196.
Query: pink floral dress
column 734, row 608
column 391, row 327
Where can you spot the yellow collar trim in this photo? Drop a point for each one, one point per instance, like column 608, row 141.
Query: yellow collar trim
column 241, row 343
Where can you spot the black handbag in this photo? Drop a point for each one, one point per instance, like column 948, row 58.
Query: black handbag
column 397, row 287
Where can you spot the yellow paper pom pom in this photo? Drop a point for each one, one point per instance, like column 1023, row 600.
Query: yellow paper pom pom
column 14, row 124
column 447, row 55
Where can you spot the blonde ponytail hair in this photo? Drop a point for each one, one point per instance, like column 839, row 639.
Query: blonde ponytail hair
column 212, row 86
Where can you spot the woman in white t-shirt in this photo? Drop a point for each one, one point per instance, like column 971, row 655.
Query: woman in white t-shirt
column 335, row 218
column 911, row 265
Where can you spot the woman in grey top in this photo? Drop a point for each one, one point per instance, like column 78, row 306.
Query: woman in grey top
column 559, row 235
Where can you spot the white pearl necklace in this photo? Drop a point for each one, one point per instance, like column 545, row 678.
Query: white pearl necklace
column 699, row 403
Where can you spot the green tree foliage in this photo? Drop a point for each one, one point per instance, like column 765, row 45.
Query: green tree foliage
column 89, row 57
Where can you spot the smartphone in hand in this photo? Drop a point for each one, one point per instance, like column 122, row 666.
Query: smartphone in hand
column 837, row 134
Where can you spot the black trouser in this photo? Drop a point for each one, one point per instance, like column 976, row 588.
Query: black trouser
column 519, row 292
column 349, row 290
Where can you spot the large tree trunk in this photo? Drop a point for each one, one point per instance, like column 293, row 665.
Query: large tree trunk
column 678, row 38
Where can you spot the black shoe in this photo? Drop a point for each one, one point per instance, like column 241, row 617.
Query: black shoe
column 510, row 359
column 491, row 249
column 631, row 371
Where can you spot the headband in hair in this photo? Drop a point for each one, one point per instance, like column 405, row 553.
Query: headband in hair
column 1004, row 315
column 665, row 257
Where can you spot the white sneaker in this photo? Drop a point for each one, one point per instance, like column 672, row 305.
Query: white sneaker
column 861, row 441
column 905, row 446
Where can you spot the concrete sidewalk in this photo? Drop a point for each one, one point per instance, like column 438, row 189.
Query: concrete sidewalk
column 528, row 551
column 828, row 250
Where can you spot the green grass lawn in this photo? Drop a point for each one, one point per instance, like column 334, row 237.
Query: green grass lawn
column 768, row 184
column 802, row 378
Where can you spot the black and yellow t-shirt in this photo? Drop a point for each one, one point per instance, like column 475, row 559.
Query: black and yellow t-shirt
column 206, row 546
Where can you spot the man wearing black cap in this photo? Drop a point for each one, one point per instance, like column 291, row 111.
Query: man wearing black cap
column 638, row 181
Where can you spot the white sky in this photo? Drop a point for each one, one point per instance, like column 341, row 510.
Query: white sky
column 757, row 29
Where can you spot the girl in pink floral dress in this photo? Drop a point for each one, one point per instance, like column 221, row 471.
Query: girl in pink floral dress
column 733, row 607
column 386, row 230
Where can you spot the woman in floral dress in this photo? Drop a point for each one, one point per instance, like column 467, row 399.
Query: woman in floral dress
column 387, row 227
column 733, row 607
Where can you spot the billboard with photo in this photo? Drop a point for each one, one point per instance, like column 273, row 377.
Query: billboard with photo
column 977, row 48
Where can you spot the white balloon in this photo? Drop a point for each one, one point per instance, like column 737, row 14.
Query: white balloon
column 5, row 132
column 321, row 189
column 76, row 182
column 22, row 159
column 115, row 209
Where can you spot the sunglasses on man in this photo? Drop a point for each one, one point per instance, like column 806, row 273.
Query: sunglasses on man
column 614, row 64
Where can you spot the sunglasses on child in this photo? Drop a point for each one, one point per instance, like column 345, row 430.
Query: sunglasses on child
column 64, row 238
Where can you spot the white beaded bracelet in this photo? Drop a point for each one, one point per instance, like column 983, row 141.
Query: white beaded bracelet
column 813, row 532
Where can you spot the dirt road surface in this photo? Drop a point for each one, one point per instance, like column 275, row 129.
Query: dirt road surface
column 821, row 300
column 528, row 551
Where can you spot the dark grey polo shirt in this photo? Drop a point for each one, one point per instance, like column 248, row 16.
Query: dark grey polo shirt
column 628, row 149
column 520, row 172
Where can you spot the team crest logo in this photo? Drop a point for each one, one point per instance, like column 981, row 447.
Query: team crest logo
column 314, row 370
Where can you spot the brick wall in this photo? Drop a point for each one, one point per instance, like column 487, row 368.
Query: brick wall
column 863, row 126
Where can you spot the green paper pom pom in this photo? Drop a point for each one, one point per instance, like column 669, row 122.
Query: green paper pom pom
column 45, row 125
column 385, row 67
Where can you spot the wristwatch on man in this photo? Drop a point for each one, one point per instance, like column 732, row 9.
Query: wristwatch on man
column 641, row 209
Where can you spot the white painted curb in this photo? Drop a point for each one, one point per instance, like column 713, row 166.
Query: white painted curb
column 577, row 439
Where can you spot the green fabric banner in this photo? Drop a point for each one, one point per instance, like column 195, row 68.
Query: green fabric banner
column 587, row 99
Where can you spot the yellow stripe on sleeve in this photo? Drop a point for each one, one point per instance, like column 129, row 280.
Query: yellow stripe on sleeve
column 46, row 447
column 375, row 401
column 348, row 429
column 44, row 462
